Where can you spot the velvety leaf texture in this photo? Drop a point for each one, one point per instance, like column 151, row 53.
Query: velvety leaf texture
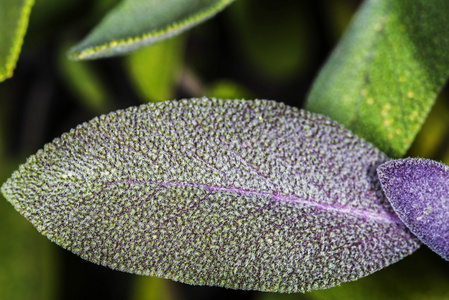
column 240, row 194
column 418, row 190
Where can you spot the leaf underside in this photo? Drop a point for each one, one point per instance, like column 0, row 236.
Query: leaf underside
column 133, row 24
column 241, row 194
column 418, row 190
column 14, row 15
column 383, row 78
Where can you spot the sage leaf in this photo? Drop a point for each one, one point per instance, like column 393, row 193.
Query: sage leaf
column 383, row 78
column 418, row 190
column 14, row 15
column 252, row 195
column 133, row 24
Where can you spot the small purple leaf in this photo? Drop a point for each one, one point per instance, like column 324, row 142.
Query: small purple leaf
column 240, row 194
column 418, row 190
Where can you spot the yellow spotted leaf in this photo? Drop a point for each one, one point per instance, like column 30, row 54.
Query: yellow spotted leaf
column 383, row 77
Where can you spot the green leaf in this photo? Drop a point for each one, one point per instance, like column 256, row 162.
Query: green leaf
column 84, row 82
column 14, row 15
column 227, row 89
column 431, row 141
column 28, row 266
column 383, row 77
column 155, row 70
column 419, row 276
column 137, row 23
column 27, row 260
column 274, row 37
column 241, row 194
column 153, row 288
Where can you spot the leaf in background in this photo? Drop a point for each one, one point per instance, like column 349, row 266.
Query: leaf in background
column 227, row 89
column 154, row 70
column 417, row 277
column 418, row 190
column 136, row 23
column 240, row 194
column 338, row 14
column 14, row 16
column 274, row 36
column 153, row 288
column 28, row 267
column 383, row 77
column 432, row 139
column 27, row 260
column 85, row 83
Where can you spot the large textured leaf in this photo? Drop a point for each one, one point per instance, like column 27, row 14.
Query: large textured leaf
column 137, row 23
column 382, row 79
column 14, row 16
column 241, row 194
column 418, row 190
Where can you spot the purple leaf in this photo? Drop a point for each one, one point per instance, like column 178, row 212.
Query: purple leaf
column 240, row 194
column 418, row 190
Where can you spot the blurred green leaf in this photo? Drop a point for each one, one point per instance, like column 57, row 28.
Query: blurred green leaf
column 432, row 135
column 383, row 77
column 27, row 267
column 14, row 15
column 419, row 276
column 227, row 89
column 82, row 79
column 338, row 14
column 136, row 23
column 27, row 263
column 153, row 288
column 273, row 36
column 154, row 70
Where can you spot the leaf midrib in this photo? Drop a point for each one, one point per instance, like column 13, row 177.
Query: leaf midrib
column 344, row 210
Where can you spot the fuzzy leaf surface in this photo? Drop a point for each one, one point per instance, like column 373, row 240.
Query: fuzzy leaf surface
column 241, row 194
column 383, row 78
column 14, row 15
column 133, row 24
column 418, row 190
